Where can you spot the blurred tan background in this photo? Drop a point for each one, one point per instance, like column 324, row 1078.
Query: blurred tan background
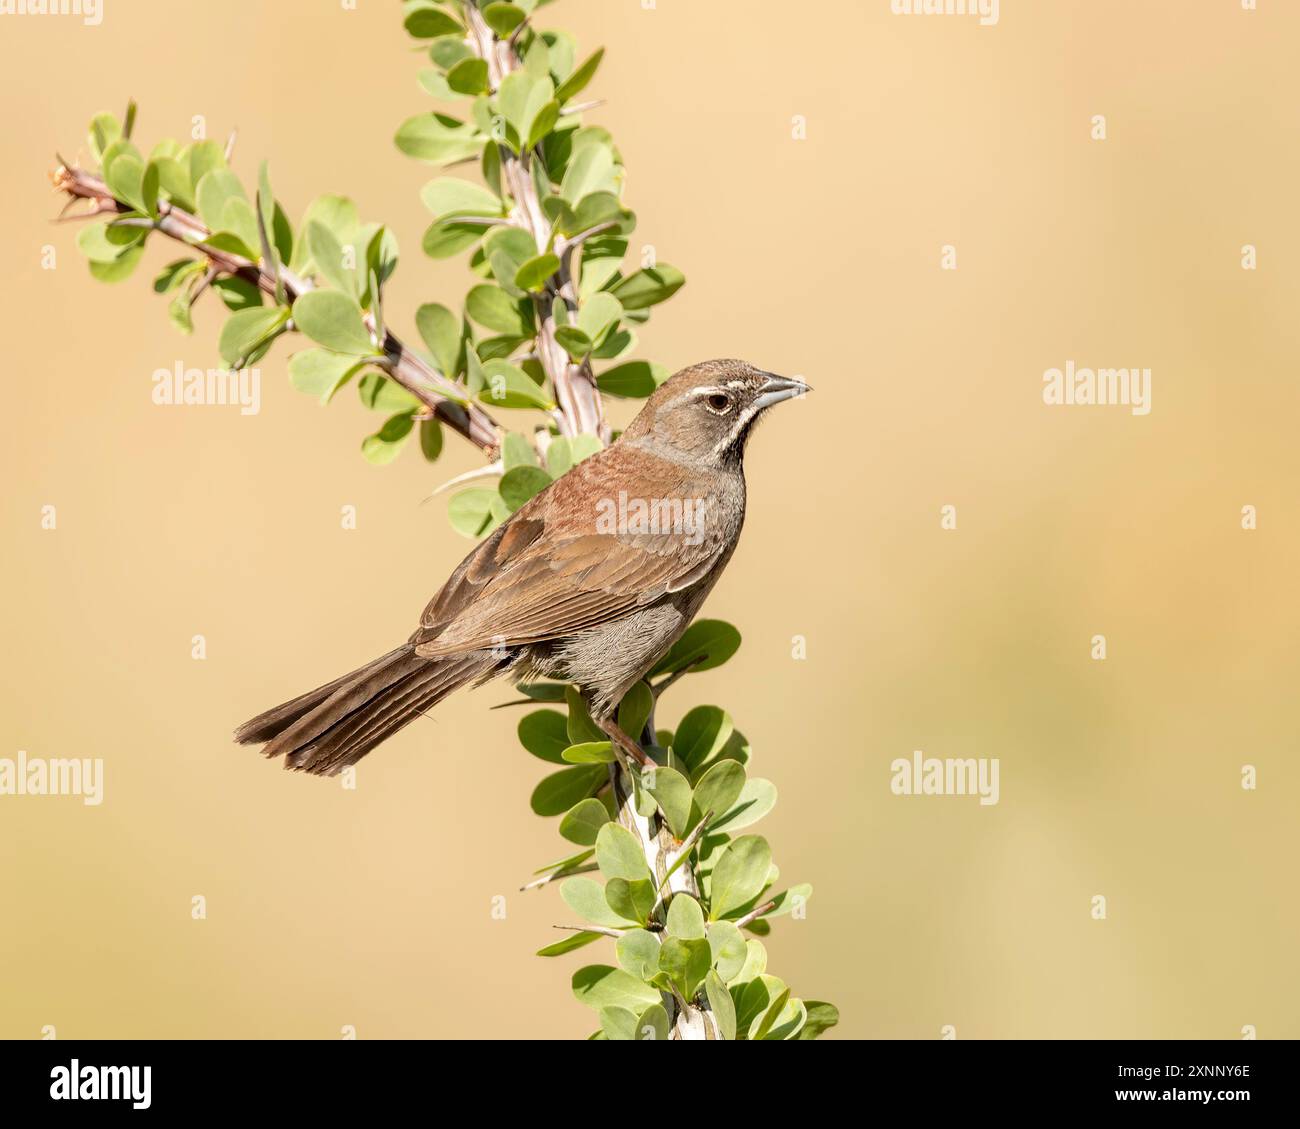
column 819, row 257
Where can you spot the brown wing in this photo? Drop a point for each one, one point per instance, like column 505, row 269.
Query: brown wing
column 551, row 569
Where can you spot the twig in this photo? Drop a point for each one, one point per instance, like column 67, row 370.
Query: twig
column 590, row 929
column 555, row 875
column 443, row 396
column 755, row 913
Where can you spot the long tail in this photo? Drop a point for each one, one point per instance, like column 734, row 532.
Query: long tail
column 335, row 725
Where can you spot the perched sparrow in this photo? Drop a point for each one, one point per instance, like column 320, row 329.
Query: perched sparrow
column 590, row 582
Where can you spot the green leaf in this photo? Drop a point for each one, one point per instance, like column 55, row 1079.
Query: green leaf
column 440, row 330
column 720, row 1003
column 430, row 439
column 149, row 187
column 590, row 752
column 648, row 287
column 126, row 180
column 521, row 483
column 380, row 394
column 756, row 799
column 470, row 514
column 582, row 822
column 586, row 898
column 543, row 123
column 711, row 640
column 580, row 726
column 174, row 273
column 739, row 875
column 578, row 80
column 542, row 691
column 247, row 329
column 532, row 275
column 782, row 1020
column 558, row 792
column 217, row 188
column 634, row 379
column 700, row 734
column 237, row 293
column 423, row 20
column 638, row 952
column 573, row 341
column 544, row 734
column 120, row 268
column 503, row 18
column 174, row 179
column 522, row 97
column 619, row 855
column 451, row 196
column 600, row 986
column 104, row 130
column 591, row 169
column 685, row 963
column 618, row 1024
column 445, row 238
column 755, row 963
column 446, row 52
column 508, row 386
column 101, row 243
column 717, row 790
column 653, row 1024
column 320, row 373
column 672, row 792
column 332, row 319
column 559, row 456
column 821, row 1017
column 327, row 254
column 178, row 312
column 685, row 918
column 634, row 710
column 438, row 138
column 730, row 951
column 204, row 157
column 386, row 444
column 469, row 76
column 598, row 315
column 494, row 309
column 516, row 450
column 632, row 900
column 573, row 941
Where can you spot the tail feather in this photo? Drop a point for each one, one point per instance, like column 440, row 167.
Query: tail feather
column 274, row 721
column 335, row 725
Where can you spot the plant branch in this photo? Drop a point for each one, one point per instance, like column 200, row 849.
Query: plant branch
column 755, row 913
column 439, row 394
column 579, row 400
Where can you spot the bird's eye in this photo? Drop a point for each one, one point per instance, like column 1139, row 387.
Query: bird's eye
column 719, row 402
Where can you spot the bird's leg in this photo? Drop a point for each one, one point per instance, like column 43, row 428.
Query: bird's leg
column 622, row 741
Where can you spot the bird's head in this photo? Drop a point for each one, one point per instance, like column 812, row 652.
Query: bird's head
column 707, row 412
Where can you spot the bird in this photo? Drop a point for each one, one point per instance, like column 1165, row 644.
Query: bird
column 591, row 581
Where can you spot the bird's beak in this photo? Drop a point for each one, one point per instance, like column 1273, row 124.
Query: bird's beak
column 778, row 388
